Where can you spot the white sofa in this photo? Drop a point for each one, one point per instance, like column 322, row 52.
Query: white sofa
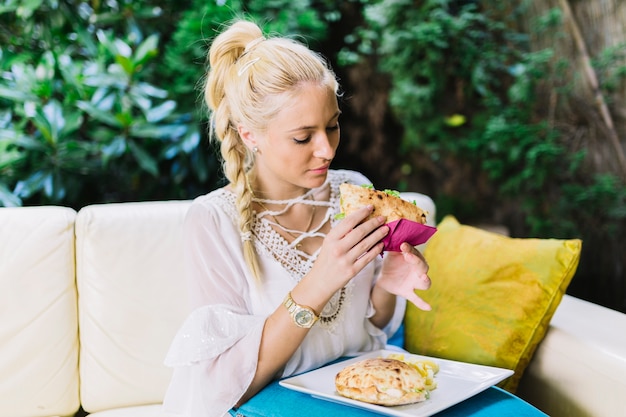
column 90, row 300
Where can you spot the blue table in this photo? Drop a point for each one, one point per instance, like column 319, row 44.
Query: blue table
column 277, row 401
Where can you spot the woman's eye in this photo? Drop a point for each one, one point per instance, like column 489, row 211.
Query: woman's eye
column 302, row 141
column 331, row 128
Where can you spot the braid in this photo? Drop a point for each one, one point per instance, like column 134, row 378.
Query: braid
column 235, row 156
column 236, row 159
column 227, row 48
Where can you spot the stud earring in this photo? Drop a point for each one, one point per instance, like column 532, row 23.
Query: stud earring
column 255, row 149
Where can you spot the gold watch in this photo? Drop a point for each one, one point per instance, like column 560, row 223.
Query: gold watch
column 303, row 316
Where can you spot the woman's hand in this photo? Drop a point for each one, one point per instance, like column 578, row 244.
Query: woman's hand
column 348, row 248
column 403, row 273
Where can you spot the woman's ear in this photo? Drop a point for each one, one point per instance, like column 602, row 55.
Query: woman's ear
column 247, row 136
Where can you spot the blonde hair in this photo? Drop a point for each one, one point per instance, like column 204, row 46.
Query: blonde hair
column 249, row 79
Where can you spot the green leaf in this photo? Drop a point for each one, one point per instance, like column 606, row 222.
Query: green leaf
column 42, row 124
column 27, row 8
column 21, row 140
column 122, row 48
column 16, row 95
column 392, row 193
column 142, row 130
column 160, row 112
column 140, row 100
column 190, row 141
column 100, row 115
column 10, row 157
column 53, row 113
column 8, row 6
column 7, row 198
column 96, row 78
column 113, row 150
column 149, row 90
column 147, row 162
column 126, row 64
column 73, row 121
column 31, row 185
column 116, row 47
column 125, row 118
column 104, row 99
column 146, row 50
column 187, row 144
column 54, row 187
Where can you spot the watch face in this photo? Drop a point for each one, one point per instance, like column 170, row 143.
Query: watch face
column 303, row 318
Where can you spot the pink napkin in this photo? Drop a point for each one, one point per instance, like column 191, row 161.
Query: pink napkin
column 404, row 230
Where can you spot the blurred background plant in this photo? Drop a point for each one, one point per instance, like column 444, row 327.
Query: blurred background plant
column 86, row 122
column 101, row 102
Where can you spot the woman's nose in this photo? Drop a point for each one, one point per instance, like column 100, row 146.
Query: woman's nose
column 324, row 148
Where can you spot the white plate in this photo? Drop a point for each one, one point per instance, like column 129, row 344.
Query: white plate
column 456, row 381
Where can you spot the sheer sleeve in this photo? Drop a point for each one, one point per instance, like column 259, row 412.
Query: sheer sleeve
column 215, row 352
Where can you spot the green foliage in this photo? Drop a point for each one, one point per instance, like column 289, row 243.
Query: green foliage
column 610, row 65
column 598, row 204
column 464, row 85
column 83, row 123
column 450, row 69
column 100, row 100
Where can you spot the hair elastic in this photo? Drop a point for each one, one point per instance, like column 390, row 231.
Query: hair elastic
column 246, row 236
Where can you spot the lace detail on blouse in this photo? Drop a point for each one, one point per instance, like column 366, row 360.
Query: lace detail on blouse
column 332, row 312
column 297, row 263
column 269, row 242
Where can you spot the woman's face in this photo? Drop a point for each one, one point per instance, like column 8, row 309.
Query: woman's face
column 300, row 142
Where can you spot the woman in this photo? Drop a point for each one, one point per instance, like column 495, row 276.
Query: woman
column 278, row 285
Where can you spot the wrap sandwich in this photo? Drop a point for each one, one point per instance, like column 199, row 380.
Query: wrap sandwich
column 405, row 219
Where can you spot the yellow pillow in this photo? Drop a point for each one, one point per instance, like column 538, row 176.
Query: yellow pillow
column 492, row 296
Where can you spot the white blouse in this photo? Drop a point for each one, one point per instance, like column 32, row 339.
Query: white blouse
column 215, row 353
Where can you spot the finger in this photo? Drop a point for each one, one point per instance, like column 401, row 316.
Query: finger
column 368, row 256
column 409, row 249
column 365, row 238
column 353, row 220
column 416, row 260
column 424, row 282
column 354, row 236
column 418, row 302
column 405, row 247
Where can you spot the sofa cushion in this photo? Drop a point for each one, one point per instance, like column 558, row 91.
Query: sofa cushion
column 579, row 369
column 492, row 296
column 132, row 300
column 38, row 317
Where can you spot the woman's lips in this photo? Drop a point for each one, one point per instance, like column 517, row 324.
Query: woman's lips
column 320, row 170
